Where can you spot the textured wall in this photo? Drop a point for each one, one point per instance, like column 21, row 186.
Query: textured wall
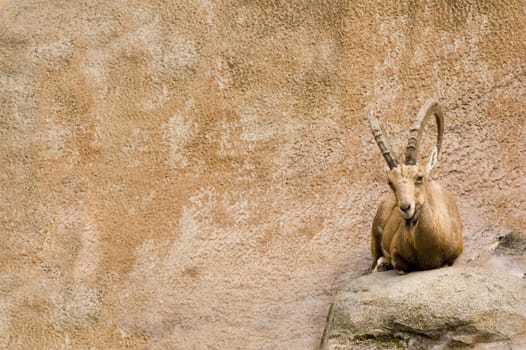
column 200, row 174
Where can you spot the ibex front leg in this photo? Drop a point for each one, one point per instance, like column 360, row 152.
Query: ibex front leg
column 380, row 261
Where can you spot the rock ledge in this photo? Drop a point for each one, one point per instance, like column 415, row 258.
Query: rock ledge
column 457, row 307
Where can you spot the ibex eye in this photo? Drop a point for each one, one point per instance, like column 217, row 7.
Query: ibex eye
column 419, row 180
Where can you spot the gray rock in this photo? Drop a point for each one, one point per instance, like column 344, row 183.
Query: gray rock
column 457, row 307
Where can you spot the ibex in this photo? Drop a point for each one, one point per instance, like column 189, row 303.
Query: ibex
column 418, row 227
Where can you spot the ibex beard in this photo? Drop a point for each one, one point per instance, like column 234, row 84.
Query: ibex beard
column 418, row 226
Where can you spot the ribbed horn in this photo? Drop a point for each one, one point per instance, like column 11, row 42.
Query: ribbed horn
column 431, row 107
column 381, row 140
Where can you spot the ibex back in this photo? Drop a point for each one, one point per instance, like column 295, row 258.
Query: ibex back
column 418, row 226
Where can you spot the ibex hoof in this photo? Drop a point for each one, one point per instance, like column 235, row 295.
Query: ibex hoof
column 383, row 264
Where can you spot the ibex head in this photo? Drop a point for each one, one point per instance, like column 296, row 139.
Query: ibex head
column 409, row 180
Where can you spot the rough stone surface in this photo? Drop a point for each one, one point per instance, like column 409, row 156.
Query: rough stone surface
column 200, row 174
column 456, row 307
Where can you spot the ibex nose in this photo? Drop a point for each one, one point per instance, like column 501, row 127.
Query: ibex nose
column 405, row 207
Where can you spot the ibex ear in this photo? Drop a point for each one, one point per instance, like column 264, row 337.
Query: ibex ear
column 432, row 160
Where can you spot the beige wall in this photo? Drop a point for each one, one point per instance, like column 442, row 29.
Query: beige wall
column 201, row 175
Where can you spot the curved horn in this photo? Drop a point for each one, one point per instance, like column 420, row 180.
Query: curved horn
column 431, row 107
column 381, row 140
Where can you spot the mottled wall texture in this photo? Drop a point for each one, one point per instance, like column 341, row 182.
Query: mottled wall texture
column 201, row 175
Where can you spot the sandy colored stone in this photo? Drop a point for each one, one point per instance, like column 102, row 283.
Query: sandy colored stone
column 200, row 174
column 458, row 307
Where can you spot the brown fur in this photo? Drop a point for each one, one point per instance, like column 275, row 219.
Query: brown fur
column 431, row 239
column 418, row 227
